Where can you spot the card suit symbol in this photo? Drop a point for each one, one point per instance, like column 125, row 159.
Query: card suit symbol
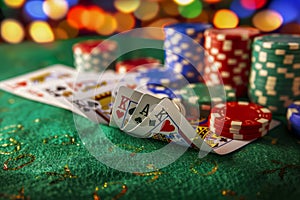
column 92, row 104
column 60, row 88
column 138, row 120
column 23, row 83
column 131, row 111
column 120, row 113
column 167, row 126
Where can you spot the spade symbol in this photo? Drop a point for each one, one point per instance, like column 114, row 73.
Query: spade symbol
column 138, row 120
column 59, row 88
column 92, row 104
column 131, row 111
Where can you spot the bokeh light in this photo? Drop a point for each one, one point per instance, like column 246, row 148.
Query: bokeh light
column 184, row 2
column 170, row 8
column 14, row 3
column 34, row 9
column 191, row 10
column 267, row 20
column 126, row 6
column 125, row 21
column 288, row 11
column 65, row 28
column 109, row 25
column 41, row 32
column 147, row 10
column 72, row 2
column 92, row 18
column 75, row 15
column 241, row 11
column 55, row 9
column 12, row 31
column 211, row 1
column 225, row 18
column 253, row 4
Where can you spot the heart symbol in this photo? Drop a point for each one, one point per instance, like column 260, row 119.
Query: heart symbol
column 167, row 126
column 131, row 111
column 138, row 120
column 23, row 83
column 119, row 114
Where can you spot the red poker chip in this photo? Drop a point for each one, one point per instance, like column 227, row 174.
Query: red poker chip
column 241, row 115
column 88, row 46
column 239, row 136
column 132, row 64
column 242, row 33
column 252, row 131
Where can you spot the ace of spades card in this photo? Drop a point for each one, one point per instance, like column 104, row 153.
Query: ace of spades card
column 141, row 110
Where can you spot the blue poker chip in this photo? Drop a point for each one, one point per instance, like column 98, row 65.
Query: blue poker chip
column 163, row 76
column 293, row 117
column 193, row 30
column 159, row 89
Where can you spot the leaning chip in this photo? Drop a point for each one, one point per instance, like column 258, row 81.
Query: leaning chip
column 133, row 64
column 293, row 117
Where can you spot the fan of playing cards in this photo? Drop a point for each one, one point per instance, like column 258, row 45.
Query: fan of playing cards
column 117, row 101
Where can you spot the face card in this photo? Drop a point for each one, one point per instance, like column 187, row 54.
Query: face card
column 167, row 120
column 123, row 106
column 96, row 105
column 140, row 111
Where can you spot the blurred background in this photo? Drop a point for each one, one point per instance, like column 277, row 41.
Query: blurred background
column 44, row 21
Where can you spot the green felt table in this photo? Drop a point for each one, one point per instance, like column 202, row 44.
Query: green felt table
column 49, row 160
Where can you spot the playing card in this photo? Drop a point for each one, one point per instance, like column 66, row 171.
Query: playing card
column 140, row 111
column 26, row 85
column 167, row 120
column 123, row 106
column 96, row 105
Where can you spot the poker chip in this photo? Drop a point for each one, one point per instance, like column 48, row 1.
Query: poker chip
column 202, row 94
column 94, row 55
column 160, row 76
column 241, row 115
column 239, row 136
column 132, row 64
column 230, row 52
column 159, row 89
column 183, row 49
column 274, row 79
column 293, row 117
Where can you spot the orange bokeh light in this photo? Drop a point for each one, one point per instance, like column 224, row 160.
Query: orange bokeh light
column 262, row 20
column 125, row 21
column 75, row 15
column 225, row 18
column 92, row 18
column 109, row 25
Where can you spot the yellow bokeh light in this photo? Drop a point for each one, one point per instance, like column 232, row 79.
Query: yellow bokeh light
column 170, row 8
column 147, row 10
column 55, row 9
column 41, row 32
column 127, row 6
column 109, row 25
column 14, row 3
column 92, row 18
column 12, row 31
column 125, row 21
column 267, row 20
column 184, row 2
column 225, row 18
column 60, row 34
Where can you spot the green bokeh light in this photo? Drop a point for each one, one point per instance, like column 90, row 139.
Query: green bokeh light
column 192, row 10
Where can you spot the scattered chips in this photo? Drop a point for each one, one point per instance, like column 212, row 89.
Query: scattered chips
column 94, row 55
column 229, row 50
column 275, row 71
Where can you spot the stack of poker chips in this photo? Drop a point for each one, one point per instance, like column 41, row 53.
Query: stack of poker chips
column 94, row 55
column 293, row 117
column 132, row 65
column 230, row 52
column 240, row 120
column 275, row 72
column 183, row 49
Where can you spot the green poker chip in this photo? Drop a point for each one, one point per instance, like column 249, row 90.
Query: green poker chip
column 202, row 94
column 279, row 41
